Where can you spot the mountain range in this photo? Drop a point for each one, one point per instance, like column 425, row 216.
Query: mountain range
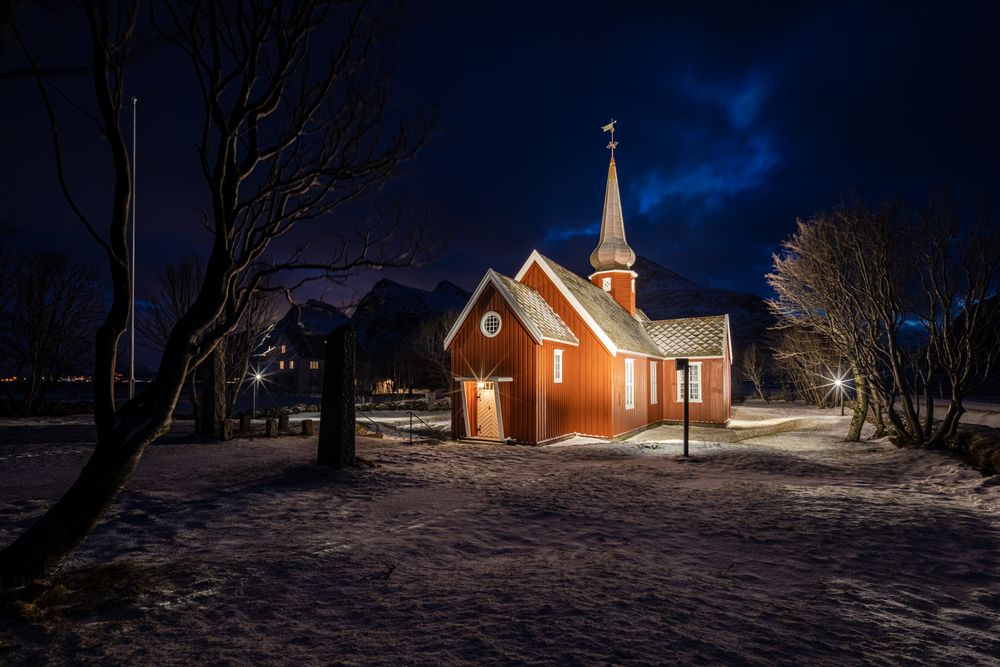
column 390, row 314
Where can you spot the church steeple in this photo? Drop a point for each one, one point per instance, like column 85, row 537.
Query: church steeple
column 612, row 251
column 612, row 259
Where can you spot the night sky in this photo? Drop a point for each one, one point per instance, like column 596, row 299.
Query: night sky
column 733, row 121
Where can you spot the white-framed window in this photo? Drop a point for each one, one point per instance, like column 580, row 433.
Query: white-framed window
column 629, row 384
column 490, row 324
column 314, row 365
column 633, row 286
column 281, row 365
column 606, row 284
column 652, row 383
column 695, row 374
column 557, row 366
column 291, row 363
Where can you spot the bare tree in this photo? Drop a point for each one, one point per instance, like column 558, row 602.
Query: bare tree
column 753, row 366
column 55, row 304
column 288, row 135
column 864, row 278
column 428, row 347
column 179, row 284
column 242, row 345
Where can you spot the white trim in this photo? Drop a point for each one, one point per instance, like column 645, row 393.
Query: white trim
column 729, row 340
column 607, row 284
column 482, row 324
column 629, row 384
column 488, row 279
column 492, row 378
column 597, row 273
column 557, row 369
column 465, row 409
column 654, row 385
column 700, row 384
column 564, row 342
column 496, row 397
column 645, row 355
column 714, row 356
column 536, row 258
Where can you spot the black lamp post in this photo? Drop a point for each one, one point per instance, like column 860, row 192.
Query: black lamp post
column 682, row 365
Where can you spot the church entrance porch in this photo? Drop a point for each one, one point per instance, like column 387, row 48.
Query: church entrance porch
column 484, row 416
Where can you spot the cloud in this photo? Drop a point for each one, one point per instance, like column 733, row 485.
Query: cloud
column 707, row 184
column 566, row 233
column 727, row 149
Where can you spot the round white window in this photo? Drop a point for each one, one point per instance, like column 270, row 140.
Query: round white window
column 490, row 324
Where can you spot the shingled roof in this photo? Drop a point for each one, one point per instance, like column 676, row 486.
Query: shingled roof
column 534, row 312
column 625, row 332
column 690, row 336
column 537, row 309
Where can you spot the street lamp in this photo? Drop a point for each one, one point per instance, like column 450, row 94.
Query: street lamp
column 257, row 379
column 839, row 384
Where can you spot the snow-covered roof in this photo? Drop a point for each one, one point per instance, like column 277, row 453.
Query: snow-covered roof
column 528, row 305
column 624, row 331
column 690, row 336
column 539, row 311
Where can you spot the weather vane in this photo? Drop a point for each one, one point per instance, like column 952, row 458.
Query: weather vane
column 610, row 127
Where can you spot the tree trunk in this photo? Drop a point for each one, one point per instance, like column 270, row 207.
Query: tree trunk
column 860, row 409
column 43, row 547
column 192, row 383
column 213, row 401
column 336, row 428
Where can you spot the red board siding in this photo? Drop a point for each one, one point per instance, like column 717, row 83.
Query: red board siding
column 621, row 288
column 714, row 406
column 511, row 353
column 582, row 402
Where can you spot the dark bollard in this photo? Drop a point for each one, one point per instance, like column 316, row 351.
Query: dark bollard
column 244, row 423
column 336, row 435
column 308, row 427
column 282, row 423
column 271, row 428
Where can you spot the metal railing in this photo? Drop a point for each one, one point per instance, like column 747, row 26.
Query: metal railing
column 378, row 428
column 429, row 427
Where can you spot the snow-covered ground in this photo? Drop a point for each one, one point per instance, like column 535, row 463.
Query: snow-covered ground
column 788, row 548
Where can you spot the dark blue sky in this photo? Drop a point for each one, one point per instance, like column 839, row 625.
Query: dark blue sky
column 733, row 121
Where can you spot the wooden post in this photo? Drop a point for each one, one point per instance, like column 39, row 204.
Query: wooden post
column 245, row 423
column 308, row 427
column 336, row 433
column 282, row 423
column 271, row 428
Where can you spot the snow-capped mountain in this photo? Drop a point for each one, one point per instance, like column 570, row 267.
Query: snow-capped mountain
column 664, row 294
column 310, row 318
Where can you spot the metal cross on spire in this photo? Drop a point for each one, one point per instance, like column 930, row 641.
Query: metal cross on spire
column 610, row 127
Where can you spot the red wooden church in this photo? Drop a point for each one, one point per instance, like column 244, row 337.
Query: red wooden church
column 548, row 354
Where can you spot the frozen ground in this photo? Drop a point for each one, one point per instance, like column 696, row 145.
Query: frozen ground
column 789, row 548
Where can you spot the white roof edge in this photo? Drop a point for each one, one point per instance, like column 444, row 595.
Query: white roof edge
column 703, row 356
column 573, row 343
column 634, row 274
column 491, row 278
column 536, row 257
column 643, row 354
column 729, row 340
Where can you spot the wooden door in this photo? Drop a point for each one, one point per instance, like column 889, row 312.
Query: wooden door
column 487, row 420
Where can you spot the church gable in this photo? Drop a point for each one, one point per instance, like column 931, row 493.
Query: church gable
column 617, row 330
column 524, row 303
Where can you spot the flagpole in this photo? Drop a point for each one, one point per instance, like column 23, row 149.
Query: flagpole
column 131, row 373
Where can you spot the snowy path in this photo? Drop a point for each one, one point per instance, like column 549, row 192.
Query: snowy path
column 788, row 549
